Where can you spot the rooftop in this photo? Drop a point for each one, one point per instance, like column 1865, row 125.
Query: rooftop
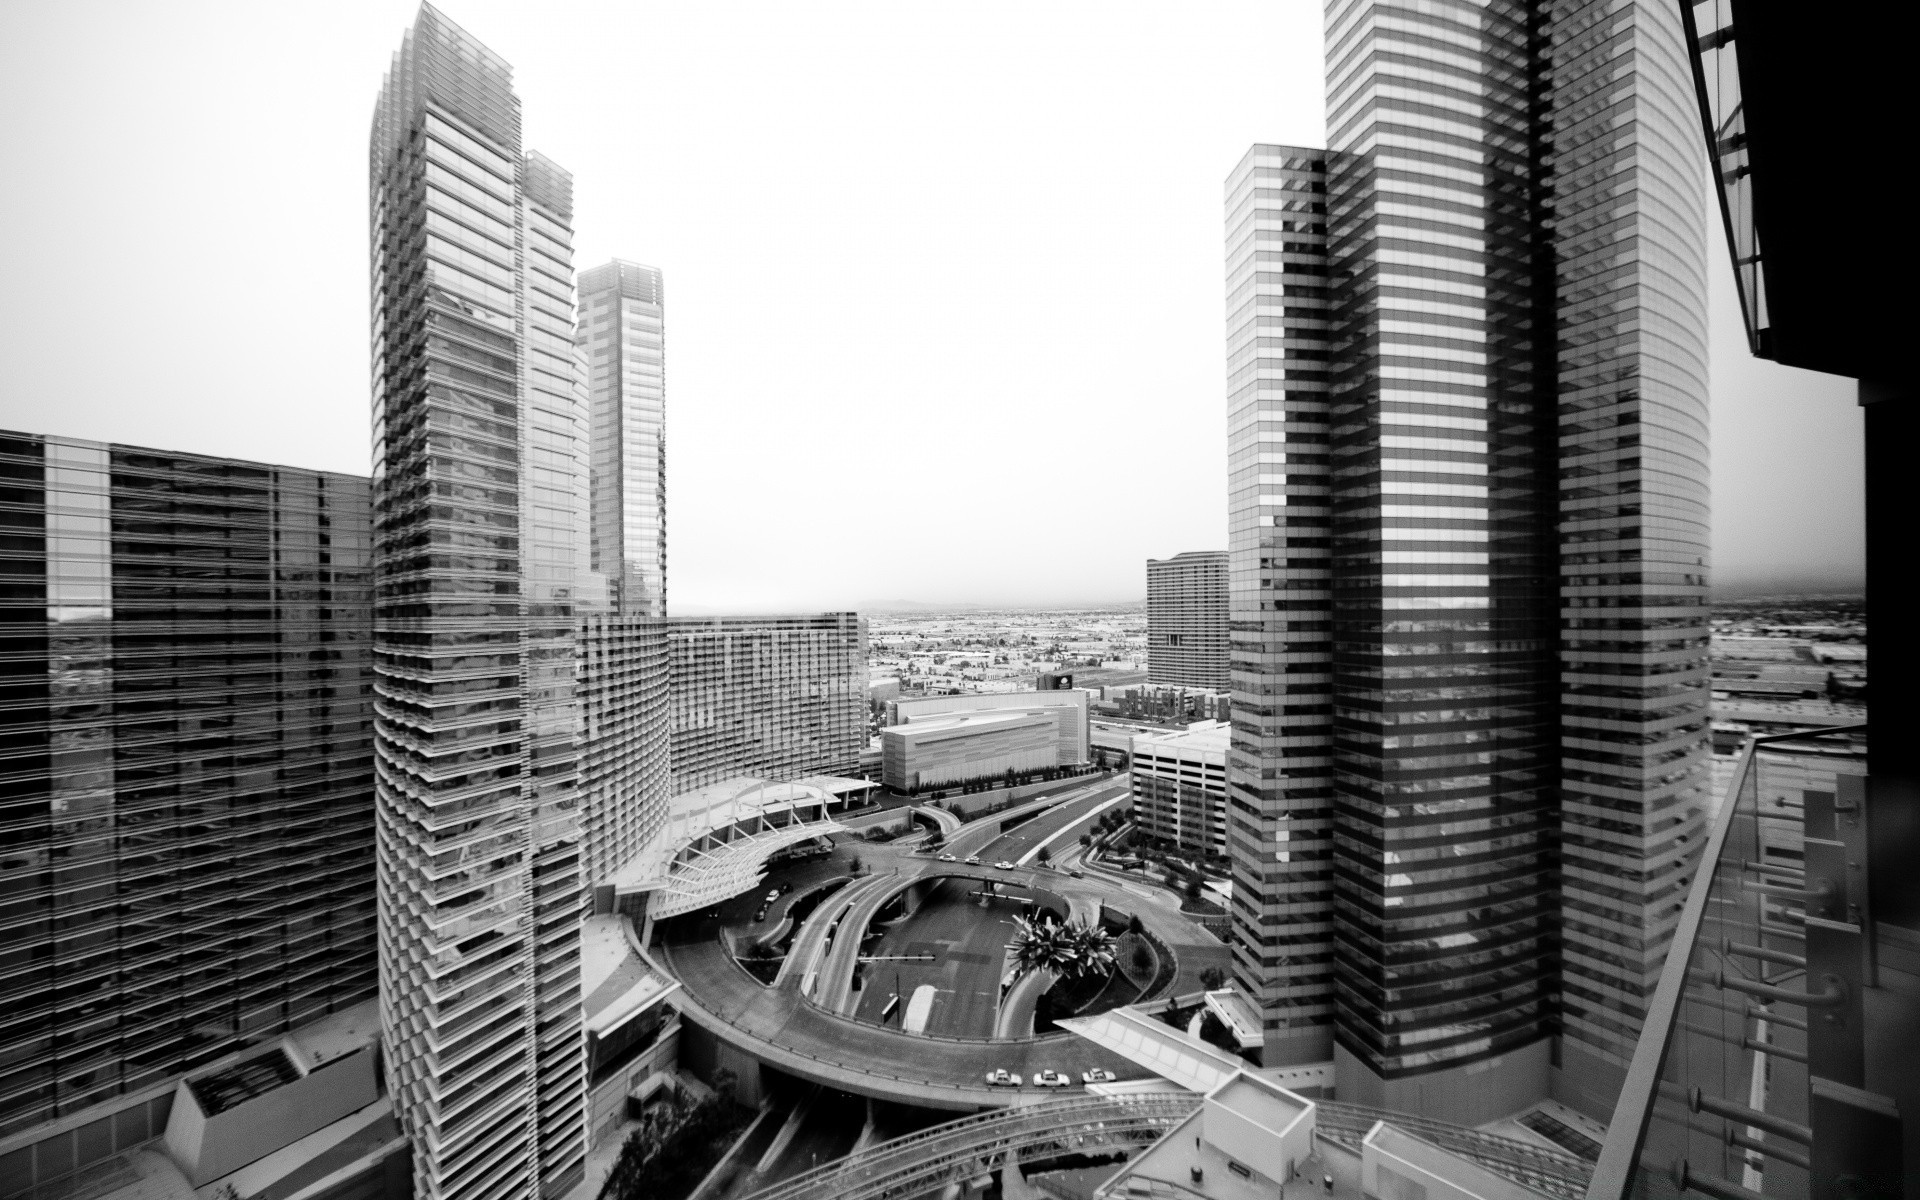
column 614, row 982
column 1206, row 737
column 968, row 722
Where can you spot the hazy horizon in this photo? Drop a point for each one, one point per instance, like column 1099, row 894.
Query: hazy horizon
column 943, row 286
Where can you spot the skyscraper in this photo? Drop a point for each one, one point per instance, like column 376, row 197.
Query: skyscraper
column 624, row 654
column 623, row 334
column 1467, row 418
column 186, row 779
column 1187, row 620
column 481, row 572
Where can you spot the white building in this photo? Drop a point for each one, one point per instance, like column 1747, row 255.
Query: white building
column 1180, row 785
column 1067, row 709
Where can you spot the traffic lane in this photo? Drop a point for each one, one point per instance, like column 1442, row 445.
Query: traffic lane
column 832, row 1122
column 981, row 830
column 1017, row 841
column 968, row 943
column 986, row 840
column 797, row 1037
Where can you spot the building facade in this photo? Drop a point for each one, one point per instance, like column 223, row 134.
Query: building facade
column 481, row 557
column 782, row 697
column 1066, row 708
column 964, row 747
column 623, row 334
column 186, row 779
column 1187, row 620
column 1179, row 782
column 1467, row 421
column 624, row 658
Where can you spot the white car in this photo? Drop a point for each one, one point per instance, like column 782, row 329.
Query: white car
column 773, row 895
column 1096, row 1076
column 1003, row 865
column 973, row 860
column 1003, row 1079
column 1050, row 1079
column 948, row 858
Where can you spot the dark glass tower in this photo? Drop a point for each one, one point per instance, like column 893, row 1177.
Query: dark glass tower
column 186, row 772
column 1467, row 425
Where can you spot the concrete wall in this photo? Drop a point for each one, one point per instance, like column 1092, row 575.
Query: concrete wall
column 1470, row 1095
column 607, row 1101
column 1298, row 1047
column 708, row 1057
column 1395, row 1165
column 1586, row 1082
column 205, row 1147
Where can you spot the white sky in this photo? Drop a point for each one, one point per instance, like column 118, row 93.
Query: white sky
column 944, row 289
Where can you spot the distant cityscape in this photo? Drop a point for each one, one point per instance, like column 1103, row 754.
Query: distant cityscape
column 1437, row 837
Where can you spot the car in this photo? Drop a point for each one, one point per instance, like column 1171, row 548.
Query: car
column 1003, row 1078
column 948, row 858
column 973, row 860
column 1003, row 865
column 1096, row 1076
column 760, row 914
column 1077, row 874
column 773, row 895
column 786, row 885
column 1050, row 1079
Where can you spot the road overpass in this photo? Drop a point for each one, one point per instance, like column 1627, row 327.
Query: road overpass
column 783, row 1027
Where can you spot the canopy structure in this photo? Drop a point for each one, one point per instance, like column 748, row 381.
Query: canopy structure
column 1160, row 1048
column 718, row 839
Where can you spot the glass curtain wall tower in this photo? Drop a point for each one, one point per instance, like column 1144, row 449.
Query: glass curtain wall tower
column 624, row 651
column 481, row 573
column 623, row 333
column 186, row 776
column 1467, row 443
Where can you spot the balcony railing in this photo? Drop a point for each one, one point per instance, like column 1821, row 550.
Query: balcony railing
column 1729, row 1095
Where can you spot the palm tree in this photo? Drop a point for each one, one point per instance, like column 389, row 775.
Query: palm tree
column 1038, row 945
column 1068, row 950
column 1093, row 948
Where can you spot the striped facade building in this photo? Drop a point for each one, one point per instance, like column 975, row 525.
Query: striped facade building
column 1467, row 425
column 1187, row 620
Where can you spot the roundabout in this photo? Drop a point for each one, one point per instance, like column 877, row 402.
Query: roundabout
column 814, row 1020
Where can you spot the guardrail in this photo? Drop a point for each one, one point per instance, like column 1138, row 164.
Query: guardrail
column 960, row 1149
column 1720, row 1085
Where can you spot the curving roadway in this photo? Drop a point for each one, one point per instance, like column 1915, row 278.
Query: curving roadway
column 808, row 1038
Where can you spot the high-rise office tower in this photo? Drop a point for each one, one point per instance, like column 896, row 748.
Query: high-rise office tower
column 186, row 779
column 1467, row 421
column 783, row 697
column 481, row 574
column 623, row 334
column 1187, row 620
column 624, row 656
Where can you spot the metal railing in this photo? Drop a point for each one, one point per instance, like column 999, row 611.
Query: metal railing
column 1086, row 1123
column 1716, row 1100
column 962, row 1149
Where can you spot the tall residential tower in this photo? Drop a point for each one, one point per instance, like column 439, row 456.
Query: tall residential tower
column 1187, row 620
column 481, row 571
column 1467, row 424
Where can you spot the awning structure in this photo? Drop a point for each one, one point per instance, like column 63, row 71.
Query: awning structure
column 699, row 877
column 1158, row 1047
column 718, row 839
